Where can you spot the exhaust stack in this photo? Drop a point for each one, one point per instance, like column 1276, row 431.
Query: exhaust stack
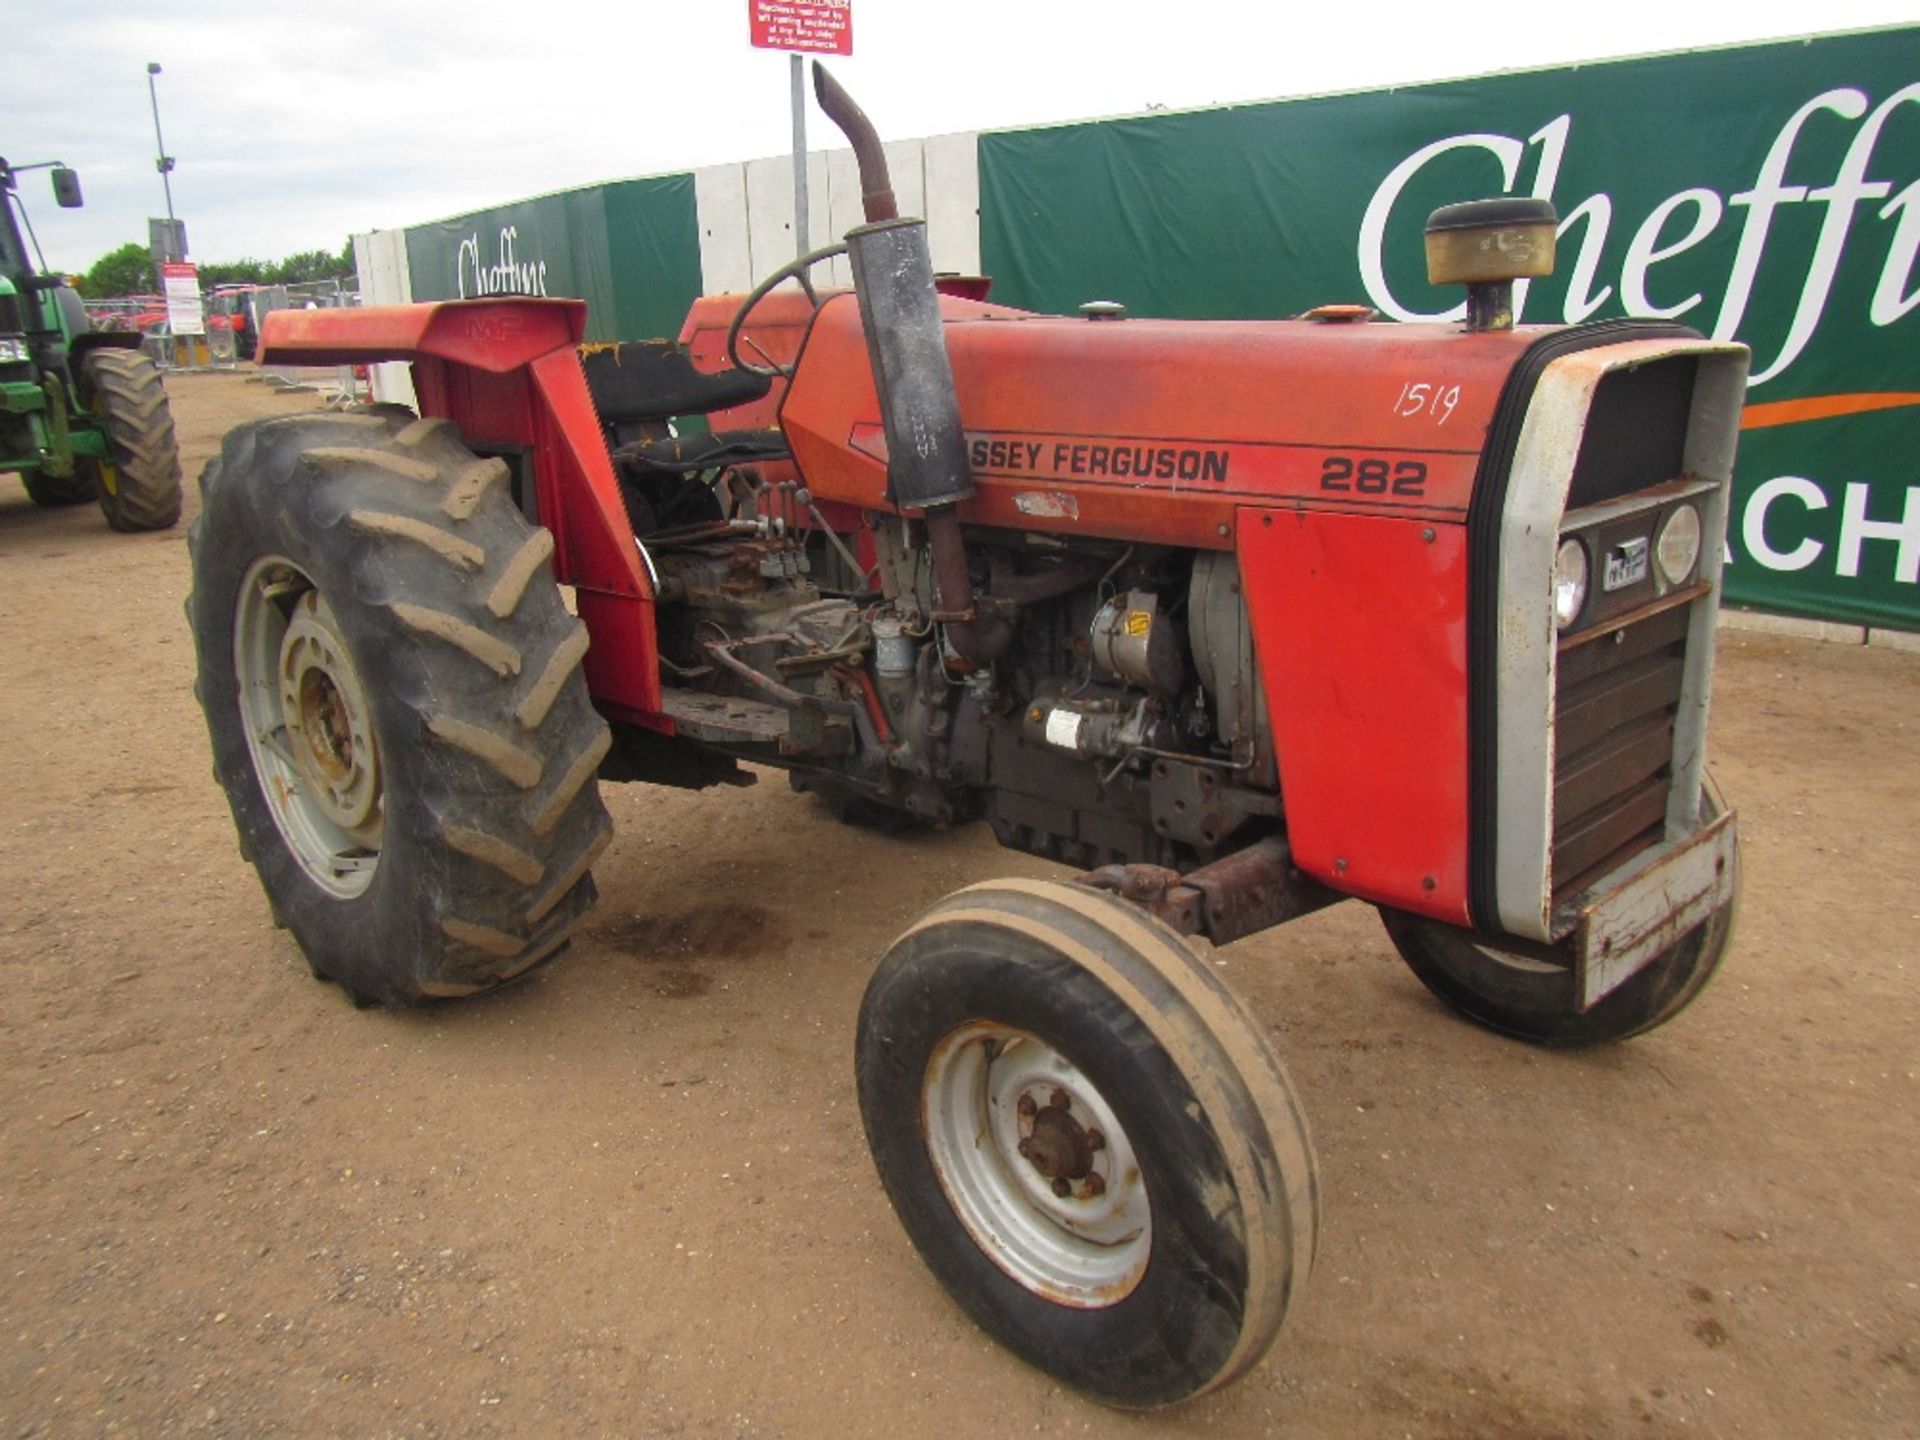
column 906, row 344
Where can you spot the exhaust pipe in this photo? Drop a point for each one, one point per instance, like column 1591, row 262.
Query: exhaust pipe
column 900, row 313
column 876, row 183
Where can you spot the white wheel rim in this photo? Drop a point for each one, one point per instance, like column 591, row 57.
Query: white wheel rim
column 1036, row 1166
column 308, row 726
column 1524, row 964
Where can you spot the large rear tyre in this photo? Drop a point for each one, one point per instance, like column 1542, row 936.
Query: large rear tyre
column 1536, row 1000
column 392, row 687
column 1088, row 1140
column 51, row 491
column 139, row 486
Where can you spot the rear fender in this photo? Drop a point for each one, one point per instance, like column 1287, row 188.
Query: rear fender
column 507, row 373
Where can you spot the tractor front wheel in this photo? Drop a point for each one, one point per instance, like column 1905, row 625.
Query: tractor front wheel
column 54, row 490
column 1536, row 1000
column 1088, row 1140
column 139, row 484
column 392, row 688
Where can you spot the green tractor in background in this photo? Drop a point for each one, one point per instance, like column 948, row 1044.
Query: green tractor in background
column 83, row 414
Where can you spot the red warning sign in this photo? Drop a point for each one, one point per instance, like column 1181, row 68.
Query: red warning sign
column 813, row 27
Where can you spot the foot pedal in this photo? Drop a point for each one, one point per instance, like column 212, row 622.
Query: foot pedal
column 726, row 719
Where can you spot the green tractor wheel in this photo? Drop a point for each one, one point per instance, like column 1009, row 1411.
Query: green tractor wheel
column 52, row 490
column 139, row 487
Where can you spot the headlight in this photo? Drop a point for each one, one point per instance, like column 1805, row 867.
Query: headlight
column 1679, row 547
column 13, row 350
column 1569, row 583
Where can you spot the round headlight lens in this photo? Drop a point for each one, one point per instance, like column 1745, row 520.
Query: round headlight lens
column 1679, row 547
column 1569, row 583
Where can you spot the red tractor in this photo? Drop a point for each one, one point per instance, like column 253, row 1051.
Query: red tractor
column 1239, row 619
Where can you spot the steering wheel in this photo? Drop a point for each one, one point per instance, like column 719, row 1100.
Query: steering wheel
column 793, row 270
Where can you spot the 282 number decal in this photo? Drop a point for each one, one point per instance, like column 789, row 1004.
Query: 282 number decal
column 1374, row 475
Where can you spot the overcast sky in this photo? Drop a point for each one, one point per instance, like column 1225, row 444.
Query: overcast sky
column 295, row 125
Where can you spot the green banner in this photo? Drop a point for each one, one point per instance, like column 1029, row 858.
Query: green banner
column 630, row 249
column 653, row 231
column 1768, row 193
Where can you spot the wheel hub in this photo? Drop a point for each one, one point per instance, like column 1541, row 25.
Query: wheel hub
column 327, row 722
column 1058, row 1145
column 309, row 728
column 1036, row 1165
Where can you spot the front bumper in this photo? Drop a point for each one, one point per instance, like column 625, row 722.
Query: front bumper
column 1649, row 906
column 21, row 398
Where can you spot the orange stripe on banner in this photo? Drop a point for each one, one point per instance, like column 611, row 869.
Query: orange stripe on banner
column 1822, row 407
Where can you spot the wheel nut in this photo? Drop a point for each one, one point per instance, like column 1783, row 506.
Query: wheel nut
column 1061, row 1100
column 1095, row 1185
column 1026, row 1108
column 1062, row 1187
column 1095, row 1140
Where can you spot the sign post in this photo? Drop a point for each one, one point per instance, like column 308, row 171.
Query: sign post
column 804, row 27
column 802, row 222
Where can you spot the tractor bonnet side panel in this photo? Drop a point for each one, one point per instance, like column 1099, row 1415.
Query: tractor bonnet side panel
column 1360, row 633
column 1158, row 431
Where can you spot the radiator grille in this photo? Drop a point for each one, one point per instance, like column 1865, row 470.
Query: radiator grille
column 1615, row 708
column 10, row 315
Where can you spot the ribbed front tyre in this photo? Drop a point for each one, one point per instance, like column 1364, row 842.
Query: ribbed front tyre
column 1088, row 1140
column 1537, row 999
column 393, row 693
column 52, row 491
column 138, row 485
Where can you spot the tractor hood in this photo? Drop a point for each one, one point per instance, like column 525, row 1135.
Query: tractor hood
column 1158, row 430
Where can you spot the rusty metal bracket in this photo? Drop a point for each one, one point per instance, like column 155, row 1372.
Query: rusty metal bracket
column 1246, row 892
column 1153, row 888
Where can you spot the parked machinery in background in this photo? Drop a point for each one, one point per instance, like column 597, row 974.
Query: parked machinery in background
column 83, row 415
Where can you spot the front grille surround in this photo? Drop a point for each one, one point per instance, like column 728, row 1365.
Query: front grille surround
column 1601, row 729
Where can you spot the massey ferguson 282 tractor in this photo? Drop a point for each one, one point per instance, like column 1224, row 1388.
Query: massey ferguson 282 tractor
column 1238, row 619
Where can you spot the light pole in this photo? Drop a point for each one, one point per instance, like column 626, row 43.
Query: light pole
column 164, row 164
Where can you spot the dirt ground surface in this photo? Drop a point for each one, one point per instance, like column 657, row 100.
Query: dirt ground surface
column 631, row 1196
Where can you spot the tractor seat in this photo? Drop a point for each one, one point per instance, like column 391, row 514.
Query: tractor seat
column 689, row 454
column 647, row 381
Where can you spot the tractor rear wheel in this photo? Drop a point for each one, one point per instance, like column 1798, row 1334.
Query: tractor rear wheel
column 139, row 484
column 393, row 691
column 1088, row 1140
column 53, row 490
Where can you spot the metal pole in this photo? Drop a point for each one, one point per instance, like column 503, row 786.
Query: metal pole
column 801, row 228
column 163, row 163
